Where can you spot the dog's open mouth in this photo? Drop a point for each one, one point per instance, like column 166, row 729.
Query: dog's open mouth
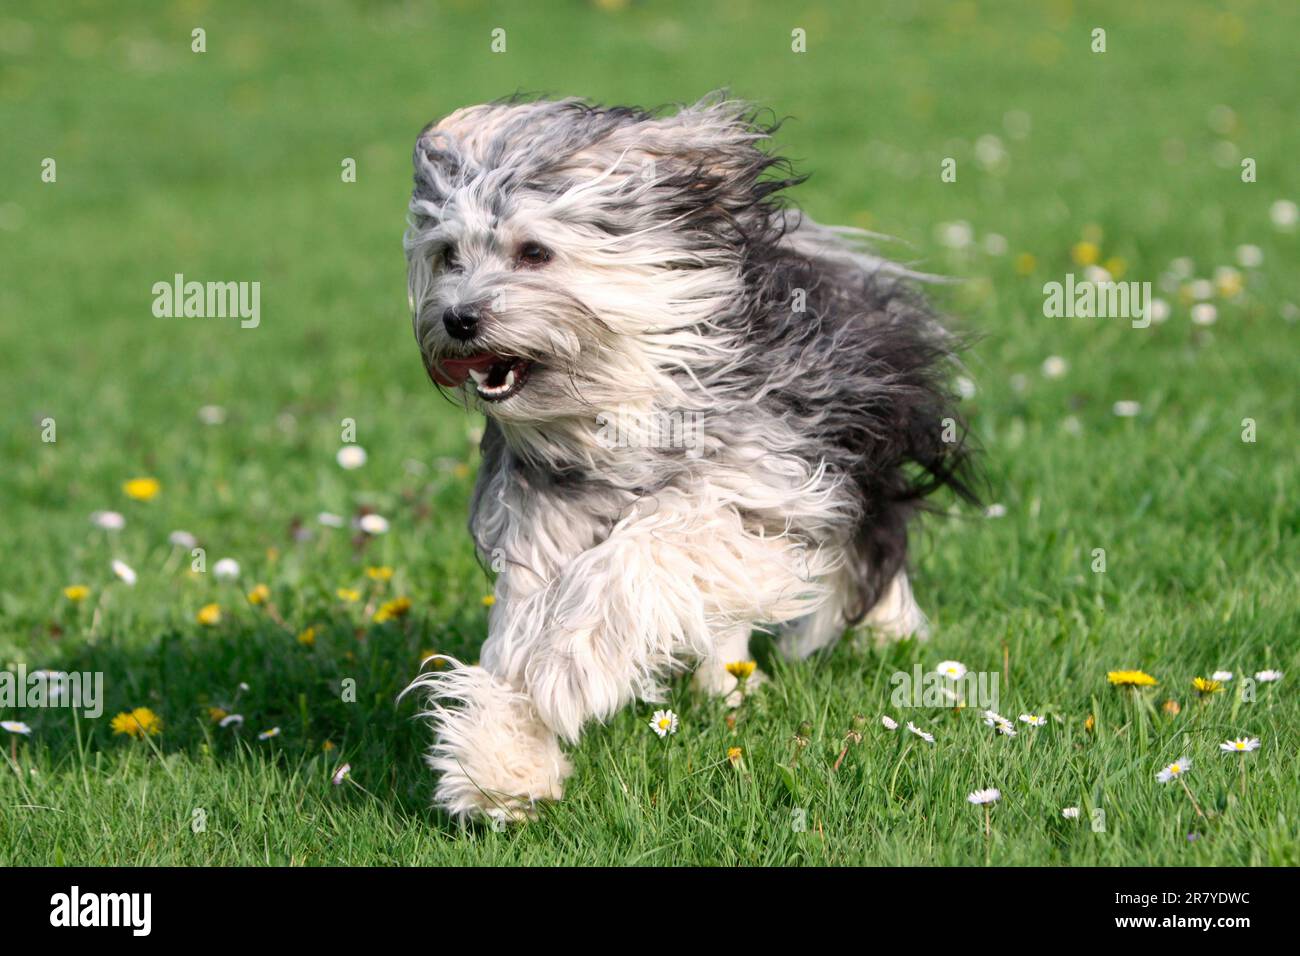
column 496, row 377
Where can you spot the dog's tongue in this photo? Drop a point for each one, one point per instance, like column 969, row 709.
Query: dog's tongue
column 453, row 372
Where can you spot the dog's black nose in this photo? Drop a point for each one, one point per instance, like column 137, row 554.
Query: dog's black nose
column 461, row 322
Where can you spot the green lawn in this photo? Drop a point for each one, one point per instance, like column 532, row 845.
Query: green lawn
column 226, row 165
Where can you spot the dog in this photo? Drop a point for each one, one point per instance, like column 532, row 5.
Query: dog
column 705, row 413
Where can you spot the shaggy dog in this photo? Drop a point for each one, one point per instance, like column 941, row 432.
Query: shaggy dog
column 705, row 413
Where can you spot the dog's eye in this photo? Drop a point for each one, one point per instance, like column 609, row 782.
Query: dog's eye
column 449, row 258
column 533, row 254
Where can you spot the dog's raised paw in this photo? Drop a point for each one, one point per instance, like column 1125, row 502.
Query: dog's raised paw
column 497, row 759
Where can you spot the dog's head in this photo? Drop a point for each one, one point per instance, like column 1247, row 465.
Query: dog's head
column 565, row 257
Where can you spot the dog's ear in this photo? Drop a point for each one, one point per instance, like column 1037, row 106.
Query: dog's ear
column 438, row 162
column 445, row 149
column 707, row 161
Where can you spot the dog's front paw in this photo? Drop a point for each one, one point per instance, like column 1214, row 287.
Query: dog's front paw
column 497, row 758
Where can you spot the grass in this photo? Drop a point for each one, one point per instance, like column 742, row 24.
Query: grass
column 226, row 165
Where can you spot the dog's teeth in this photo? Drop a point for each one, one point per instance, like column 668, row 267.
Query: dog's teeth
column 510, row 381
column 479, row 377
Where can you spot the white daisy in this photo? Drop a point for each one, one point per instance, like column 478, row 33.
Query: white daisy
column 1159, row 310
column 955, row 235
column 953, row 670
column 1268, row 677
column 1251, row 257
column 1054, row 366
column 124, row 572
column 979, row 797
column 108, row 520
column 351, row 457
column 373, row 524
column 330, row 520
column 340, row 774
column 928, row 738
column 1204, row 313
column 212, row 414
column 1284, row 214
column 1221, row 676
column 1070, row 813
column 15, row 727
column 227, row 569
column 1033, row 720
column 1004, row 726
column 664, row 722
column 1242, row 745
column 1126, row 409
column 183, row 539
column 995, row 511
column 268, row 734
column 234, row 720
column 1174, row 770
column 888, row 723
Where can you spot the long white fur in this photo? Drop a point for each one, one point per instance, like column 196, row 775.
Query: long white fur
column 604, row 596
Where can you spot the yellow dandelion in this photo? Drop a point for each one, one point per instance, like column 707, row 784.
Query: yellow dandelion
column 76, row 593
column 1090, row 723
column 142, row 489
column 137, row 723
column 1115, row 266
column 259, row 595
column 1085, row 253
column 1026, row 263
column 734, row 754
column 1229, row 283
column 327, row 746
column 437, row 663
column 217, row 714
column 1206, row 687
column 461, row 471
column 307, row 637
column 489, row 600
column 381, row 573
column 350, row 595
column 392, row 610
column 1131, row 679
column 741, row 670
column 209, row 615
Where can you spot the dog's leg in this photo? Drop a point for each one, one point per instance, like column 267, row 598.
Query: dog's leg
column 496, row 757
column 897, row 615
column 660, row 590
column 711, row 676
